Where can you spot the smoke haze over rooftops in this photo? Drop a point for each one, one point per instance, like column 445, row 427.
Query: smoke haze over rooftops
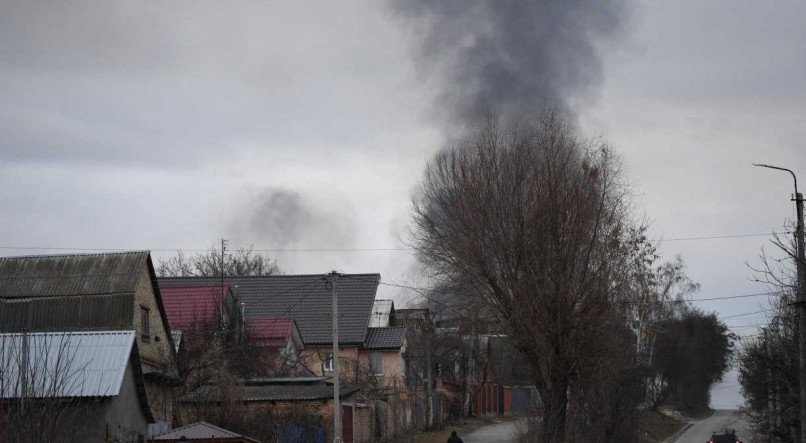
column 509, row 58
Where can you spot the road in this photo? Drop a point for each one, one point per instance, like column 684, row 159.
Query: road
column 494, row 433
column 701, row 431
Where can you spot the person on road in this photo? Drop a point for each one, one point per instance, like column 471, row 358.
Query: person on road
column 454, row 438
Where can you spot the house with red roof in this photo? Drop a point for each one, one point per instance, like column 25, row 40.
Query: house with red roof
column 276, row 333
column 189, row 307
column 371, row 345
column 200, row 312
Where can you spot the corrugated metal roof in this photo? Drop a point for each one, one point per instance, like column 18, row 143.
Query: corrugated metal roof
column 305, row 299
column 280, row 380
column 89, row 312
column 385, row 338
column 381, row 310
column 295, row 392
column 200, row 431
column 77, row 274
column 275, row 391
column 64, row 364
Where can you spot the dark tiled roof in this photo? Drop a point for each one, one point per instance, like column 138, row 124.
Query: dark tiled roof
column 305, row 299
column 385, row 338
column 63, row 275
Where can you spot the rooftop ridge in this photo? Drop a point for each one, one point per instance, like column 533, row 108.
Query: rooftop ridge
column 378, row 274
column 189, row 286
column 73, row 332
column 200, row 423
column 77, row 254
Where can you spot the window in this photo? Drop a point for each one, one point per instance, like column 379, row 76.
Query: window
column 328, row 362
column 145, row 330
column 376, row 363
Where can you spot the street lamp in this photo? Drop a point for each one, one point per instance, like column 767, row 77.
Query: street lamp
column 800, row 262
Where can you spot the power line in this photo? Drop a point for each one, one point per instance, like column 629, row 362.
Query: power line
column 747, row 313
column 55, row 248
column 752, row 325
column 422, row 292
column 304, row 296
column 381, row 249
column 726, row 298
column 717, row 237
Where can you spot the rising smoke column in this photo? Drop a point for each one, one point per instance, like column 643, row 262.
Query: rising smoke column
column 510, row 58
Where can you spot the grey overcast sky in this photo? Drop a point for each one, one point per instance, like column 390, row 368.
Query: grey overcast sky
column 306, row 125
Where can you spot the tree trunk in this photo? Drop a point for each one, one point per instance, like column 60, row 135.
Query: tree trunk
column 555, row 408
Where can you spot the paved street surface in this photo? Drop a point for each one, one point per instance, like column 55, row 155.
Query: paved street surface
column 494, row 433
column 701, row 431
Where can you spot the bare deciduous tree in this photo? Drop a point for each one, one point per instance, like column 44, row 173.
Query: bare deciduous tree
column 38, row 386
column 768, row 362
column 238, row 262
column 535, row 222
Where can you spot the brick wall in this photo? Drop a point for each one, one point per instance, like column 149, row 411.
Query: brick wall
column 155, row 349
column 313, row 357
column 363, row 424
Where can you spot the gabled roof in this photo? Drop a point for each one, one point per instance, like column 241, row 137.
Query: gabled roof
column 305, row 299
column 382, row 313
column 72, row 292
column 273, row 332
column 188, row 307
column 76, row 274
column 385, row 338
column 64, row 364
column 201, row 431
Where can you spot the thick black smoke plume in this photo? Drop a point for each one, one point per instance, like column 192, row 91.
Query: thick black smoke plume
column 510, row 58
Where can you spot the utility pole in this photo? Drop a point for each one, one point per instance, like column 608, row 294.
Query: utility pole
column 800, row 262
column 802, row 317
column 223, row 252
column 429, row 395
column 331, row 283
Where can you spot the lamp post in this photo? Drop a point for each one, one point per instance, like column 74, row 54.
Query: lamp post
column 800, row 262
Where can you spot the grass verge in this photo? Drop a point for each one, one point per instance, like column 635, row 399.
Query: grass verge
column 655, row 427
